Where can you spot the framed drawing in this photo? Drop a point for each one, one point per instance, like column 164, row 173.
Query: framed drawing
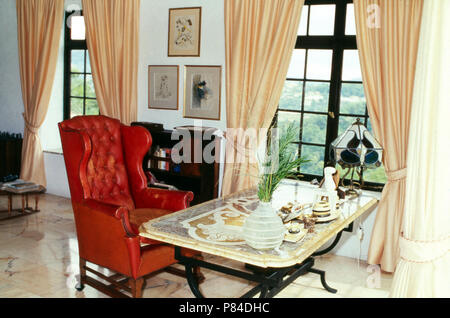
column 184, row 31
column 202, row 91
column 163, row 87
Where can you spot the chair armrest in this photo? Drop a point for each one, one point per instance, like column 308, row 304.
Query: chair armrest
column 163, row 199
column 118, row 212
column 105, row 236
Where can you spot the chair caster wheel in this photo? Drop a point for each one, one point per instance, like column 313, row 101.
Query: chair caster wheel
column 79, row 287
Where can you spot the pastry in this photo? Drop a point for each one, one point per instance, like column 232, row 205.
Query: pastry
column 287, row 208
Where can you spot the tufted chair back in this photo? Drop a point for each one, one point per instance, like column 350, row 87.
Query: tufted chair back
column 96, row 167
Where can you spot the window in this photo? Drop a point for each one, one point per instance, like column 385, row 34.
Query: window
column 79, row 92
column 323, row 93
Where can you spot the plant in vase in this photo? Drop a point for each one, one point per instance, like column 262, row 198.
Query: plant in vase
column 264, row 229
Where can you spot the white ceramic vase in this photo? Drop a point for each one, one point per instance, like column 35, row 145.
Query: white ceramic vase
column 263, row 228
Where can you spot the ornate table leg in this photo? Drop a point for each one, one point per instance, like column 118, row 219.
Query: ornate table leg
column 325, row 251
column 331, row 247
column 322, row 280
column 193, row 281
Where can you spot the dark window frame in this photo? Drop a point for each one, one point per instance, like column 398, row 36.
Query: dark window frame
column 338, row 43
column 70, row 45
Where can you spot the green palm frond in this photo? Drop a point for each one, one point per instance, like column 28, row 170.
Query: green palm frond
column 286, row 167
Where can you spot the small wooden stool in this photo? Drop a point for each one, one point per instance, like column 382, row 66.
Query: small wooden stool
column 26, row 209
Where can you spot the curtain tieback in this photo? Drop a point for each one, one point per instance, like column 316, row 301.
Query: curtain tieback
column 396, row 175
column 31, row 128
column 423, row 251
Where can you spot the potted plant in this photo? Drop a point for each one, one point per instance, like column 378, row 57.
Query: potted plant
column 264, row 229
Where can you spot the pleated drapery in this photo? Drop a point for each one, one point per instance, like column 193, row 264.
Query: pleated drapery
column 388, row 37
column 112, row 36
column 39, row 26
column 423, row 269
column 259, row 38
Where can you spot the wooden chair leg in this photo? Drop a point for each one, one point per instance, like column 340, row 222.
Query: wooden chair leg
column 80, row 285
column 23, row 203
column 198, row 273
column 10, row 205
column 36, row 203
column 136, row 287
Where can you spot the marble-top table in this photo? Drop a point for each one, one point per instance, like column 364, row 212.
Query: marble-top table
column 215, row 227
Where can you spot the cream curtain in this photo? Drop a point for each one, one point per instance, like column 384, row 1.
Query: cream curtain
column 388, row 37
column 39, row 25
column 423, row 270
column 260, row 37
column 112, row 35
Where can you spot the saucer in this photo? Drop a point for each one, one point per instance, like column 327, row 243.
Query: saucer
column 294, row 238
column 331, row 217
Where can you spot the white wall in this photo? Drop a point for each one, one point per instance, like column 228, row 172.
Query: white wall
column 153, row 51
column 55, row 170
column 11, row 104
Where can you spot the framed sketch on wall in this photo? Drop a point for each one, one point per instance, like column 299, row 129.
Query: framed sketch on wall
column 184, row 31
column 163, row 87
column 202, row 91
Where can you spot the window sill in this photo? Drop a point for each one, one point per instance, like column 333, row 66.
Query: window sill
column 54, row 151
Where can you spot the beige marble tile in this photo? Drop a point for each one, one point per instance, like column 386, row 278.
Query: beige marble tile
column 298, row 291
column 11, row 265
column 66, row 292
column 38, row 281
column 164, row 287
column 9, row 290
column 39, row 258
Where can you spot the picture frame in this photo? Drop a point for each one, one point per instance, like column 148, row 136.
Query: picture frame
column 163, row 87
column 202, row 91
column 184, row 32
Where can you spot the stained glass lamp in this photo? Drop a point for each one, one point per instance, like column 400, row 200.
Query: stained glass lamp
column 356, row 150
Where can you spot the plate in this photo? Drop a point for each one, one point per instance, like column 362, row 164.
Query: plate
column 294, row 238
column 331, row 217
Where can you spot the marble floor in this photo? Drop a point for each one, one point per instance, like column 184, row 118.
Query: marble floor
column 39, row 258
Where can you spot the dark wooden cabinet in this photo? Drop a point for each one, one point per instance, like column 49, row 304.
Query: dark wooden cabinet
column 193, row 171
column 10, row 157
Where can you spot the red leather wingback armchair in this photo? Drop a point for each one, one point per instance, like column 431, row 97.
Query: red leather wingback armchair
column 110, row 200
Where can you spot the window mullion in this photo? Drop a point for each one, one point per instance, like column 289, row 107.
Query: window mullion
column 67, row 68
column 336, row 76
column 305, row 70
column 303, row 89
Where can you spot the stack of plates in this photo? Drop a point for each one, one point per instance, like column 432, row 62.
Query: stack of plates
column 322, row 211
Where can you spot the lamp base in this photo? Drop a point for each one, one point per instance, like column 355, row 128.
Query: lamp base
column 354, row 188
column 350, row 193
